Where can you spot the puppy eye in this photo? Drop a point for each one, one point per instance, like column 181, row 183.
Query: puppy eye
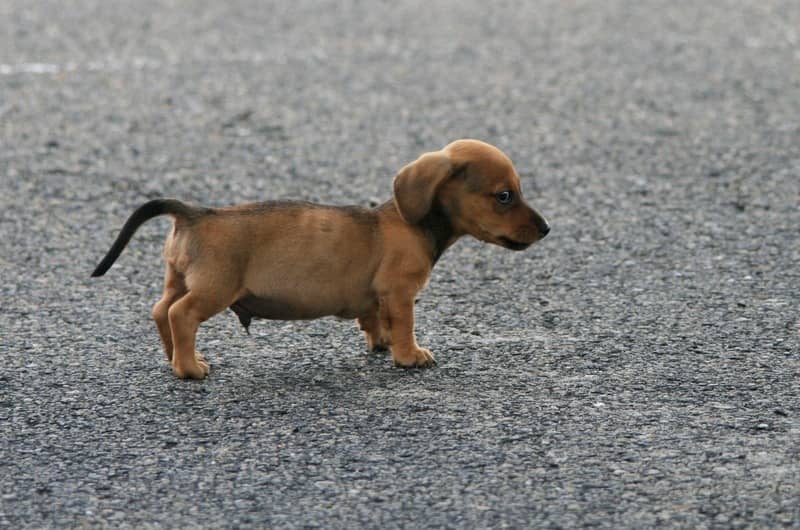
column 504, row 197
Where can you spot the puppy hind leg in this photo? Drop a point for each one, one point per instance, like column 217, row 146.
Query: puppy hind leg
column 174, row 289
column 185, row 317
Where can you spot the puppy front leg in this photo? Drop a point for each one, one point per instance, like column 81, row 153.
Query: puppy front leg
column 377, row 341
column 397, row 315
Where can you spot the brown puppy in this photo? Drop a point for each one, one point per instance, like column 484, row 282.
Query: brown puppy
column 296, row 260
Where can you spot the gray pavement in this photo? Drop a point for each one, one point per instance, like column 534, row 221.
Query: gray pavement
column 638, row 368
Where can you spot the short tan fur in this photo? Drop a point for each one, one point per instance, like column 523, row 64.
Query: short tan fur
column 295, row 260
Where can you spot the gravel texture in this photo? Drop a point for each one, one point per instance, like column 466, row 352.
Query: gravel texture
column 638, row 368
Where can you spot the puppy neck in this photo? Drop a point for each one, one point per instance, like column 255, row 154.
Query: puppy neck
column 438, row 230
column 435, row 227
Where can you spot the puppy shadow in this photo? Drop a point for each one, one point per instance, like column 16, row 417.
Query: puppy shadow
column 329, row 376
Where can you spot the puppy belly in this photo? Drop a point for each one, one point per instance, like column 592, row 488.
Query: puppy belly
column 276, row 308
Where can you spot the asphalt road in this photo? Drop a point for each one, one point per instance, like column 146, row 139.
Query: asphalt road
column 638, row 368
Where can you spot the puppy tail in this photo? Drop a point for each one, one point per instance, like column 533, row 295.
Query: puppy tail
column 143, row 213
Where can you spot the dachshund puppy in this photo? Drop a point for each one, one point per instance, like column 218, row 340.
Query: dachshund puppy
column 296, row 260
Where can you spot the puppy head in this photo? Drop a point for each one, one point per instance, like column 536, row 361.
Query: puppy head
column 479, row 190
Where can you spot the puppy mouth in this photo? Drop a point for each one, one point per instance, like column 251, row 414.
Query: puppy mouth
column 512, row 244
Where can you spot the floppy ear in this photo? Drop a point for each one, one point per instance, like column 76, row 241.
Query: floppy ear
column 416, row 184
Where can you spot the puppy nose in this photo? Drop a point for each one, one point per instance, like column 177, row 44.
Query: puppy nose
column 544, row 229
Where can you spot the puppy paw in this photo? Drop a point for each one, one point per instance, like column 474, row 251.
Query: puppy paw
column 197, row 368
column 201, row 360
column 414, row 358
column 377, row 343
